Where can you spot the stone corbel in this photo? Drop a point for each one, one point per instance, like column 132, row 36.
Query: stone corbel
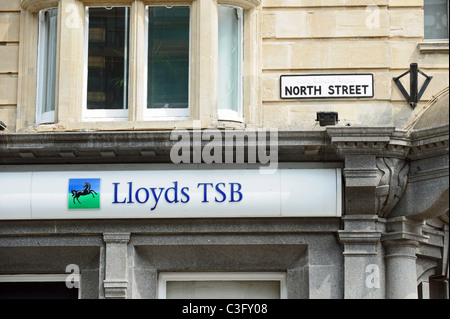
column 359, row 147
column 393, row 172
column 375, row 167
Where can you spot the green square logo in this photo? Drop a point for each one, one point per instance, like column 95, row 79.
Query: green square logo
column 84, row 193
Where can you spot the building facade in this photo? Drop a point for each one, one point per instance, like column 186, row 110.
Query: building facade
column 224, row 148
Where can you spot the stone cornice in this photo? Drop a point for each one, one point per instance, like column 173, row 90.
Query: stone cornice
column 360, row 140
column 93, row 229
column 142, row 147
column 154, row 146
column 429, row 142
column 398, row 146
column 362, row 133
column 387, row 142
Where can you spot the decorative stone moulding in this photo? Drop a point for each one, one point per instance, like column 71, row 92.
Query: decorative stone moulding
column 398, row 146
column 245, row 4
column 393, row 174
column 106, row 3
column 165, row 2
column 37, row 5
column 429, row 142
column 360, row 140
column 434, row 47
column 445, row 217
column 377, row 166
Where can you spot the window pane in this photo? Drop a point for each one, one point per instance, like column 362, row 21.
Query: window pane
column 168, row 57
column 223, row 290
column 229, row 58
column 436, row 19
column 107, row 84
column 47, row 61
column 37, row 290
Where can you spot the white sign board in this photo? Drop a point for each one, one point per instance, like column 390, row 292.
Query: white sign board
column 326, row 86
column 135, row 193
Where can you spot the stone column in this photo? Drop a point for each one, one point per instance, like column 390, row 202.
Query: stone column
column 362, row 262
column 116, row 265
column 401, row 240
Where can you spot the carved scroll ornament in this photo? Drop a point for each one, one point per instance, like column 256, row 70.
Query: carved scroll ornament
column 393, row 174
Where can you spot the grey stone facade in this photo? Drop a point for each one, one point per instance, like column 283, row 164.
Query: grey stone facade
column 391, row 242
column 392, row 237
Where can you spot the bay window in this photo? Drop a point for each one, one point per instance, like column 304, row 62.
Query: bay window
column 144, row 63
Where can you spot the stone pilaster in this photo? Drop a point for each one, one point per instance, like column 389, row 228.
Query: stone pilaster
column 116, row 265
column 401, row 240
column 363, row 267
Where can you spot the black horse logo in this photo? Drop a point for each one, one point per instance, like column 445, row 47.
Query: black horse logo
column 86, row 191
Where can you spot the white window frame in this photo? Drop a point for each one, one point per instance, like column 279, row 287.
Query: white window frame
column 41, row 116
column 164, row 277
column 75, row 278
column 101, row 115
column 231, row 115
column 162, row 114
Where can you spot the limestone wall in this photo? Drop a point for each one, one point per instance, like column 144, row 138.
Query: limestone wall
column 9, row 60
column 346, row 36
column 287, row 37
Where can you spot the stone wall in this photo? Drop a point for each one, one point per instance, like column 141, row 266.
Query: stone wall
column 290, row 37
column 379, row 37
column 9, row 60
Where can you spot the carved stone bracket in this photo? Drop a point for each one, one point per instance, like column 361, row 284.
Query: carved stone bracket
column 393, row 177
column 360, row 147
column 384, row 165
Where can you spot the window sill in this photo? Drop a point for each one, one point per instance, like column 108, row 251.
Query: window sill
column 229, row 115
column 434, row 47
column 111, row 125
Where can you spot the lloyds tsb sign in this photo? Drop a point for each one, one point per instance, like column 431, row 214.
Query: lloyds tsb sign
column 169, row 191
